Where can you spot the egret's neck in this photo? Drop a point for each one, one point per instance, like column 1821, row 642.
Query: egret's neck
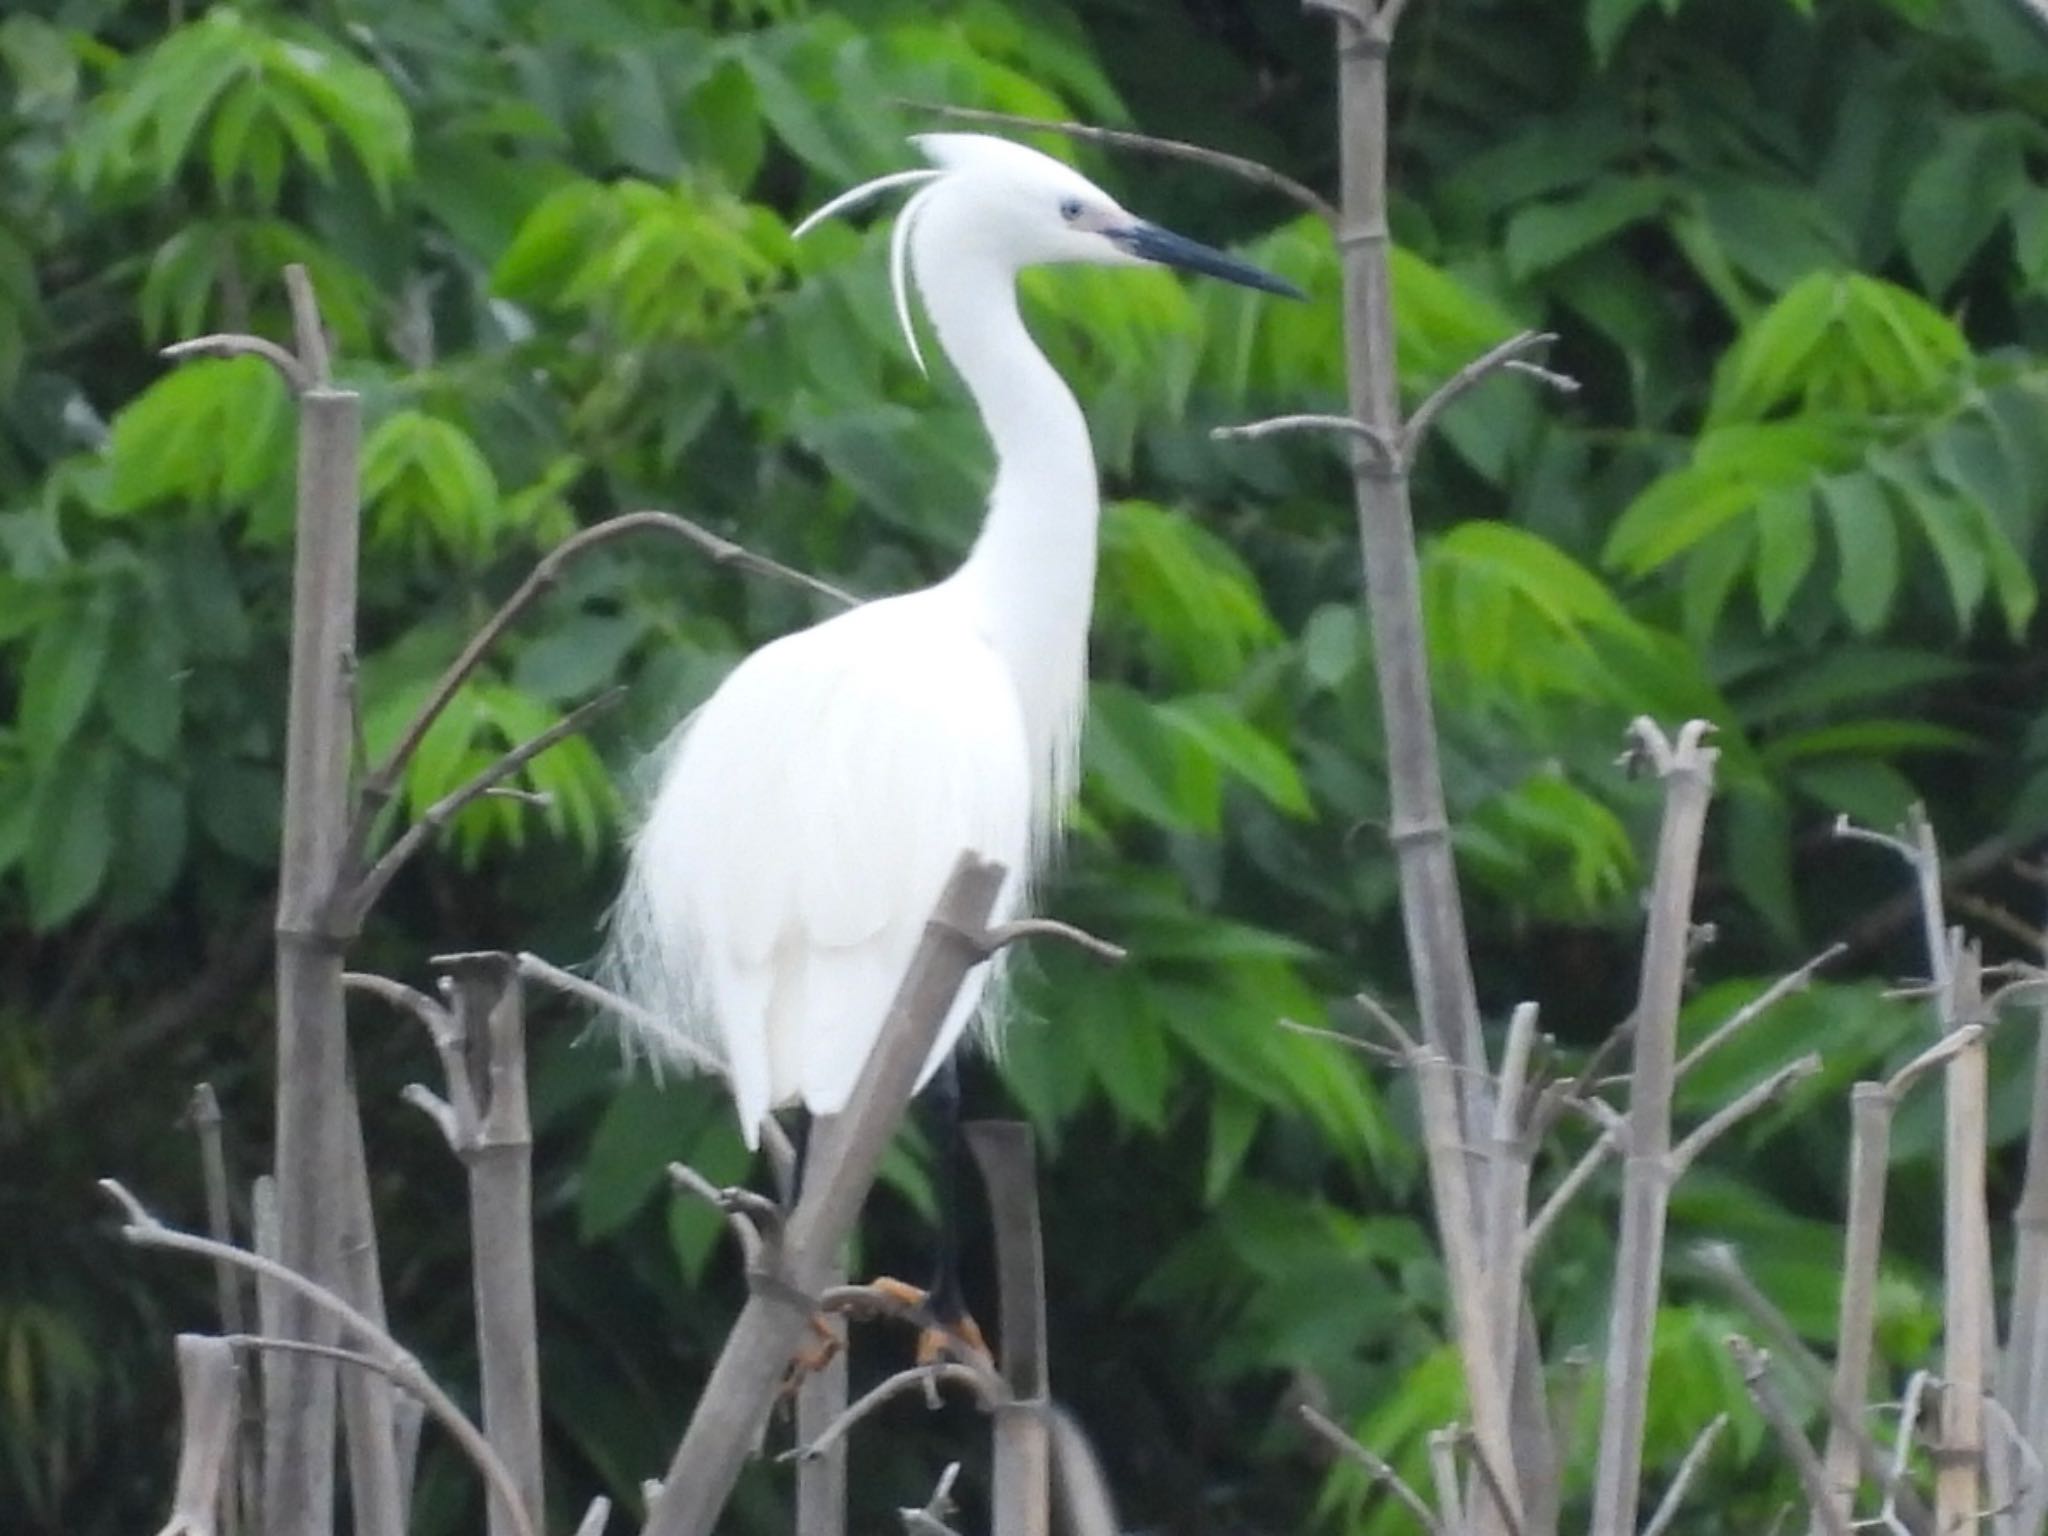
column 1038, row 544
column 1032, row 570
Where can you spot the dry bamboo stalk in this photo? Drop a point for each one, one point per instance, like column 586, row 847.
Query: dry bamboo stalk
column 742, row 1386
column 231, row 1295
column 2025, row 1376
column 298, row 1462
column 1870, row 1132
column 1687, row 768
column 1020, row 1497
column 1967, row 1326
column 496, row 1147
column 1486, row 1379
column 822, row 1399
column 208, row 1388
column 368, row 1401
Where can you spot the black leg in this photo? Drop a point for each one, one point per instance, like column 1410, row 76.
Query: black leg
column 948, row 1304
column 800, row 1143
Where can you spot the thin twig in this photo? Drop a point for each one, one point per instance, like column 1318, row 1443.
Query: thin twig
column 1491, row 361
column 309, row 334
column 1688, row 1469
column 595, row 1517
column 1019, row 929
column 738, row 1206
column 1144, row 143
column 987, row 1389
column 145, row 1231
column 363, row 895
column 1743, row 1104
column 1756, row 1007
column 1384, row 454
column 931, row 1520
column 1381, row 1470
column 383, row 781
column 1755, row 1367
column 225, row 345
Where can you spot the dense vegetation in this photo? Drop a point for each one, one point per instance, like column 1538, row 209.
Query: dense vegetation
column 1796, row 253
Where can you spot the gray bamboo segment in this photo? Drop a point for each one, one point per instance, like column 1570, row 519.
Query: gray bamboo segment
column 1021, row 1496
column 209, row 1391
column 1966, row 1256
column 823, row 1397
column 368, row 1401
column 1687, row 768
column 232, row 1296
column 496, row 1148
column 1755, row 1367
column 777, row 1316
column 2026, row 1357
column 1870, row 1135
column 311, row 1047
column 1432, row 916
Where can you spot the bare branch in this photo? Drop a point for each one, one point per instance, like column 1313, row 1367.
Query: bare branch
column 145, row 1231
column 383, row 781
column 1381, row 1470
column 1084, row 1491
column 1938, row 1054
column 740, row 1206
column 987, row 1390
column 595, row 1518
column 364, row 893
column 931, row 1520
column 224, row 345
column 1144, row 143
column 1756, row 1007
column 1384, row 454
column 1743, row 1104
column 1687, row 768
column 1755, row 1367
column 742, row 1386
column 1490, row 362
column 1443, row 1472
column 1019, row 929
column 309, row 335
column 1688, row 1469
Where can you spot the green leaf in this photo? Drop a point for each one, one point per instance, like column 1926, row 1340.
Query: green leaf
column 62, row 674
column 1961, row 194
column 644, row 1128
column 1238, row 748
column 1786, row 547
column 69, row 838
column 1866, row 548
column 1233, row 1121
column 1547, row 235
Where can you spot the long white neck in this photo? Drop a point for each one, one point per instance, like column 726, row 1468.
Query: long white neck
column 1031, row 573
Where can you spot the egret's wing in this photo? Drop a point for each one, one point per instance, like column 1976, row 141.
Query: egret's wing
column 807, row 822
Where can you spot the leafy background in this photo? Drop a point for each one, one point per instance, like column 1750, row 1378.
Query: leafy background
column 1797, row 254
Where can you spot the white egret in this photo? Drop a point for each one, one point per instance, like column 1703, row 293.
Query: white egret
column 807, row 815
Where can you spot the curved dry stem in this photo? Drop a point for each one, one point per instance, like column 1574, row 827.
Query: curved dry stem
column 394, row 1360
column 1259, row 175
column 1047, row 928
column 1347, row 1445
column 363, row 894
column 988, row 1391
column 1688, row 1469
column 1383, row 453
column 378, row 788
column 1510, row 352
column 229, row 344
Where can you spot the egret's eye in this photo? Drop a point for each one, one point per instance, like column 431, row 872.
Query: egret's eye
column 1070, row 208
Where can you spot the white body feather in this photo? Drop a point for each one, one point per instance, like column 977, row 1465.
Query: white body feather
column 808, row 814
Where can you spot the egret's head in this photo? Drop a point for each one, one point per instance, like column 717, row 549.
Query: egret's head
column 992, row 200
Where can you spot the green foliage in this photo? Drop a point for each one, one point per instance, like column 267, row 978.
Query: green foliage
column 1796, row 253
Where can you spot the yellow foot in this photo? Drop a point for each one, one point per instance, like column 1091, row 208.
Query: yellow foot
column 956, row 1338
column 808, row 1361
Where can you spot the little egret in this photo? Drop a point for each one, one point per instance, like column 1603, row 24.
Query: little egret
column 807, row 815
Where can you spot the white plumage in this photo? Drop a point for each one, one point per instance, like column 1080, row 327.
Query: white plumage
column 807, row 815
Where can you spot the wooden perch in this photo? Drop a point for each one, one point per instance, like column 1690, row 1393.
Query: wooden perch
column 744, row 1382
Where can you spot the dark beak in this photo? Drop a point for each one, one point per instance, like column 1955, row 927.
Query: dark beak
column 1152, row 243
